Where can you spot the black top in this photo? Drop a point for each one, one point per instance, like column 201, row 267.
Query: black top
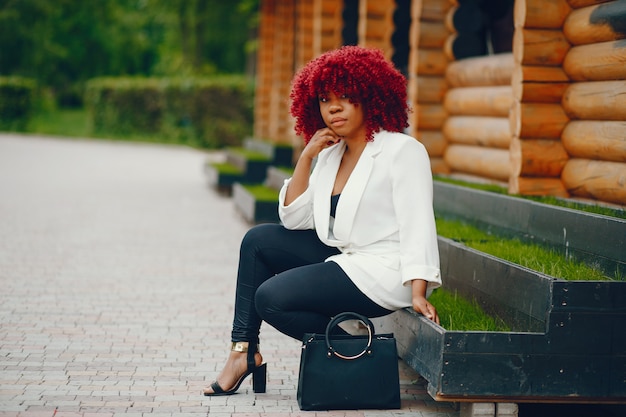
column 334, row 199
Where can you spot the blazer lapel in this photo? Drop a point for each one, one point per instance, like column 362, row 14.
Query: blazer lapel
column 323, row 190
column 353, row 190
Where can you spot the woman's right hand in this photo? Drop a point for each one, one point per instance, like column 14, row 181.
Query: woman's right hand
column 321, row 140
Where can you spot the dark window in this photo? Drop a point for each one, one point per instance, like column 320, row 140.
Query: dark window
column 400, row 37
column 350, row 15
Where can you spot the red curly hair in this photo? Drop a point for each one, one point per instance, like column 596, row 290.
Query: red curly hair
column 365, row 76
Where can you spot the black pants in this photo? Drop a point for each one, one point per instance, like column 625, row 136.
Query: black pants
column 284, row 281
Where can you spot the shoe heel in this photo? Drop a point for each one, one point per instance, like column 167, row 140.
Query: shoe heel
column 259, row 379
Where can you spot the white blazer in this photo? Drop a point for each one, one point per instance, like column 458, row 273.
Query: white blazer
column 384, row 224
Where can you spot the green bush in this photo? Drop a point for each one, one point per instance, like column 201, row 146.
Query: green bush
column 16, row 102
column 123, row 106
column 207, row 113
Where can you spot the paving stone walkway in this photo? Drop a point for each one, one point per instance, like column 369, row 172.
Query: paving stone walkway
column 117, row 266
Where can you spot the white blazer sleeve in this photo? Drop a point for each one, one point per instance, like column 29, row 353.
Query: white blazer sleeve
column 413, row 203
column 299, row 214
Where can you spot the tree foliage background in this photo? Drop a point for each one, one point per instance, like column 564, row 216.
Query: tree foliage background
column 63, row 43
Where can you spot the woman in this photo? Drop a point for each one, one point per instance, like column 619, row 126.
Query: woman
column 358, row 230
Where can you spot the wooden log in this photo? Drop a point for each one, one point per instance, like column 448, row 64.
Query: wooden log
column 539, row 84
column 327, row 21
column 537, row 157
column 539, row 92
column 448, row 20
column 379, row 30
column 377, row 9
column 597, row 100
column 431, row 89
column 434, row 10
column 492, row 132
column 477, row 160
column 602, row 180
column 304, row 34
column 597, row 62
column 431, row 62
column 434, row 141
column 592, row 139
column 432, row 34
column 537, row 186
column 577, row 4
column 537, row 120
column 430, row 116
column 540, row 14
column 597, row 23
column 480, row 101
column 481, row 71
column 375, row 25
column 539, row 47
column 327, row 7
column 439, row 167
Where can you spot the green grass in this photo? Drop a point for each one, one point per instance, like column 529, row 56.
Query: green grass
column 226, row 168
column 262, row 193
column 531, row 256
column 457, row 313
column 75, row 123
column 286, row 170
column 250, row 155
column 64, row 122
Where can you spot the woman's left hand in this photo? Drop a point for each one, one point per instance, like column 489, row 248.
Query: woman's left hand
column 421, row 305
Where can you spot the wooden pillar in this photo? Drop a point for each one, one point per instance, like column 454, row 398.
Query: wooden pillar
column 305, row 32
column 275, row 68
column 283, row 66
column 376, row 25
column 595, row 101
column 426, row 74
column 327, row 25
column 537, row 118
column 262, row 97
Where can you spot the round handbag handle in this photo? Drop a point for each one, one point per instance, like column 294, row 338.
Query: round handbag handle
column 349, row 316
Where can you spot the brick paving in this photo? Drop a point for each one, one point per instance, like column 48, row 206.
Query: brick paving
column 117, row 266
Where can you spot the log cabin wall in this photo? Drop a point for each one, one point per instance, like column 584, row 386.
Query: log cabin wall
column 479, row 96
column 263, row 86
column 426, row 74
column 276, row 58
column 477, row 127
column 306, row 28
column 595, row 101
column 537, row 117
column 375, row 25
column 327, row 27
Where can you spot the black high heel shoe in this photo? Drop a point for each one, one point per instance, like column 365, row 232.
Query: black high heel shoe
column 259, row 373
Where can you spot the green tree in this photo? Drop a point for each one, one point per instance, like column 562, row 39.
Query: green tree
column 208, row 35
column 63, row 43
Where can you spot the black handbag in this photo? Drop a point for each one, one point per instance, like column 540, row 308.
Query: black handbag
column 343, row 372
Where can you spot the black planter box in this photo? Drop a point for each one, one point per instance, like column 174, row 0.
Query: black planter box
column 592, row 238
column 221, row 181
column 568, row 342
column 254, row 211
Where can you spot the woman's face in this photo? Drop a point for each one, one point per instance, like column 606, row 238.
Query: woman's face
column 344, row 118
